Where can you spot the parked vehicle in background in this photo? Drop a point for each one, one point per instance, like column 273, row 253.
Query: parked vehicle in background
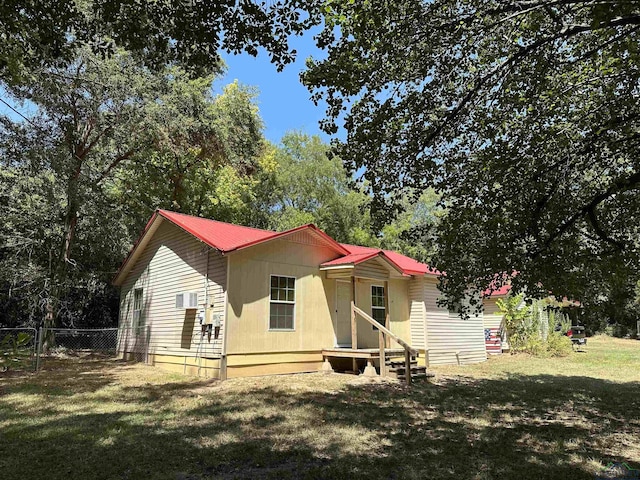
column 577, row 335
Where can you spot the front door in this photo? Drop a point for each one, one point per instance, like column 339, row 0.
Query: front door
column 343, row 313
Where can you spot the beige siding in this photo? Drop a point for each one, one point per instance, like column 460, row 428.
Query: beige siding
column 344, row 273
column 249, row 365
column 307, row 237
column 451, row 339
column 492, row 315
column 417, row 313
column 342, row 314
column 249, row 290
column 398, row 297
column 372, row 269
column 173, row 262
column 399, row 307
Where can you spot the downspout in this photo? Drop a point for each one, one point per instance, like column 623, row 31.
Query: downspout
column 206, row 303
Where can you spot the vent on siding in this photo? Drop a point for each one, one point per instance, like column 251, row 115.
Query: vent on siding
column 187, row 300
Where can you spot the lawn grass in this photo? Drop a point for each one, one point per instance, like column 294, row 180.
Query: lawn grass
column 511, row 417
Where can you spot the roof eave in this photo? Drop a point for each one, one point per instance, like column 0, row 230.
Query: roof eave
column 190, row 231
column 117, row 280
column 397, row 267
column 338, row 267
column 420, row 272
column 357, row 262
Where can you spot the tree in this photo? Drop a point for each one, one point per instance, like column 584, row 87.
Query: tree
column 523, row 115
column 39, row 34
column 305, row 184
column 412, row 231
column 97, row 119
column 300, row 181
column 204, row 158
column 615, row 310
column 29, row 200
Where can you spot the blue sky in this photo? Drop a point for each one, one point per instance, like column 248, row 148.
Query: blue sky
column 283, row 101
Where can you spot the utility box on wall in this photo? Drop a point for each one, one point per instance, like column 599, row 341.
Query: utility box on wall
column 208, row 315
column 212, row 322
column 211, row 318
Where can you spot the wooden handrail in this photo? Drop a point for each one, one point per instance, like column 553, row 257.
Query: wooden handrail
column 408, row 351
column 381, row 327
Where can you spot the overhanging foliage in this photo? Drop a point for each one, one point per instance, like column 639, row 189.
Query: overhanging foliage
column 523, row 115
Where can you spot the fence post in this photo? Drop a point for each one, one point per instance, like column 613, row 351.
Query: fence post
column 39, row 349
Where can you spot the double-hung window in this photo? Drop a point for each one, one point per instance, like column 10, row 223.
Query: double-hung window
column 138, row 319
column 378, row 309
column 282, row 303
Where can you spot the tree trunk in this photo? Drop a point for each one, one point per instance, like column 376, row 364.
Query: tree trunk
column 59, row 271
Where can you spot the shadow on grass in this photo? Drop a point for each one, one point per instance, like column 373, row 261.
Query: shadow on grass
column 519, row 427
column 62, row 377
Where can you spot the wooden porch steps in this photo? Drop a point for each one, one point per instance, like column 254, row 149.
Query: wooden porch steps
column 397, row 369
column 394, row 361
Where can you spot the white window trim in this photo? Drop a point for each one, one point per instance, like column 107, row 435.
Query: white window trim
column 378, row 308
column 295, row 295
column 187, row 294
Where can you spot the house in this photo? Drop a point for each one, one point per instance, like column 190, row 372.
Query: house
column 496, row 336
column 495, row 333
column 204, row 297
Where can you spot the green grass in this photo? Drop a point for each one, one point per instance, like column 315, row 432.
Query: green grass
column 512, row 417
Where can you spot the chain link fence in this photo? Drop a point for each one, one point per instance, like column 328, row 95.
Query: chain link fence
column 61, row 340
column 28, row 349
column 18, row 349
column 76, row 343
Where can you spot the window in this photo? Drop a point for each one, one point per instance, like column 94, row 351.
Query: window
column 138, row 319
column 455, row 309
column 467, row 304
column 187, row 300
column 378, row 310
column 282, row 303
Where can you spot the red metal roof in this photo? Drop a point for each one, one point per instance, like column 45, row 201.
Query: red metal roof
column 227, row 237
column 500, row 286
column 219, row 235
column 406, row 265
column 351, row 259
column 409, row 265
column 503, row 290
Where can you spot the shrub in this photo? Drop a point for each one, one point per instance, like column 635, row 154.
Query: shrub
column 558, row 345
column 514, row 313
column 618, row 330
column 535, row 329
column 533, row 345
column 525, row 332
